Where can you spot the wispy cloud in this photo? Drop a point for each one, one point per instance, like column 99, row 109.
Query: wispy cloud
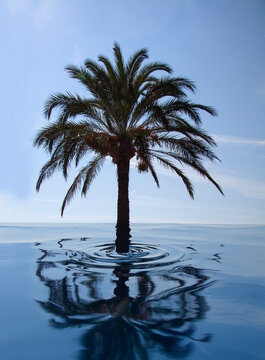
column 40, row 12
column 159, row 169
column 78, row 59
column 44, row 200
column 164, row 171
column 237, row 140
column 155, row 202
column 247, row 187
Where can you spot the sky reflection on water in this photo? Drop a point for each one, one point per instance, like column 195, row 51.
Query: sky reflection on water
column 191, row 299
column 123, row 326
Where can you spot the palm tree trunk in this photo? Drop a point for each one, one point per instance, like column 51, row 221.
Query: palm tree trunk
column 123, row 211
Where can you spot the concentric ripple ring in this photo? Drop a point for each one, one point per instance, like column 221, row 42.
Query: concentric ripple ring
column 84, row 254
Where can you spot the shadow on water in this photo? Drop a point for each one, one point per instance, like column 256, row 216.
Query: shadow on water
column 142, row 313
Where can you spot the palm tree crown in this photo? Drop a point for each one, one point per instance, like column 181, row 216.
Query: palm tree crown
column 130, row 113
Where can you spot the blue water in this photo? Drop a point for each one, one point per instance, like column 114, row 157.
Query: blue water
column 184, row 291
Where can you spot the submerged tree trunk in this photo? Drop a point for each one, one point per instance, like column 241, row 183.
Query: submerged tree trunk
column 123, row 211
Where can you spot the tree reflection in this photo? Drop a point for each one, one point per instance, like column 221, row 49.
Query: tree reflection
column 159, row 318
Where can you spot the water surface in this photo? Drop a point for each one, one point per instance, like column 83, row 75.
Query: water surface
column 185, row 291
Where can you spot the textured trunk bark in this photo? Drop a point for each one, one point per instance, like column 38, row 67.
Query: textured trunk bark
column 123, row 212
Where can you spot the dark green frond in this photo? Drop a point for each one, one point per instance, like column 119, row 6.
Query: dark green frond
column 162, row 89
column 73, row 188
column 93, row 67
column 152, row 170
column 197, row 166
column 143, row 75
column 135, row 63
column 119, row 60
column 143, row 152
column 47, row 170
column 133, row 109
column 186, row 84
column 179, row 126
column 94, row 168
column 86, row 175
column 82, row 150
column 165, row 87
column 111, row 71
column 70, row 106
column 93, row 78
column 80, row 73
column 191, row 109
column 209, row 109
column 190, row 147
column 49, row 136
column 168, row 165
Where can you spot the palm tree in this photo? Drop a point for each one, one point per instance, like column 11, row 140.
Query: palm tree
column 130, row 113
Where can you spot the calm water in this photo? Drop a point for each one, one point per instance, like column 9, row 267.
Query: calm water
column 185, row 291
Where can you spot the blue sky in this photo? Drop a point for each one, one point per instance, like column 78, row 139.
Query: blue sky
column 220, row 45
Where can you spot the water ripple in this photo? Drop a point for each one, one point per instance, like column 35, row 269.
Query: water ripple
column 153, row 293
column 73, row 252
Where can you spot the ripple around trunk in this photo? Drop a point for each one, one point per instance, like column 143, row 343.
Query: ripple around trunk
column 94, row 254
column 149, row 297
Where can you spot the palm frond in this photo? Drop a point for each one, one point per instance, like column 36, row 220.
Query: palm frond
column 152, row 170
column 178, row 125
column 141, row 103
column 197, row 166
column 70, row 106
column 141, row 144
column 93, row 67
column 148, row 162
column 86, row 175
column 94, row 168
column 47, row 170
column 190, row 147
column 191, row 109
column 49, row 136
column 160, row 90
column 147, row 70
column 82, row 74
column 111, row 71
column 135, row 63
column 168, row 165
column 194, row 164
column 119, row 61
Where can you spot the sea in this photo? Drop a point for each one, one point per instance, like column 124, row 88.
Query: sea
column 183, row 291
